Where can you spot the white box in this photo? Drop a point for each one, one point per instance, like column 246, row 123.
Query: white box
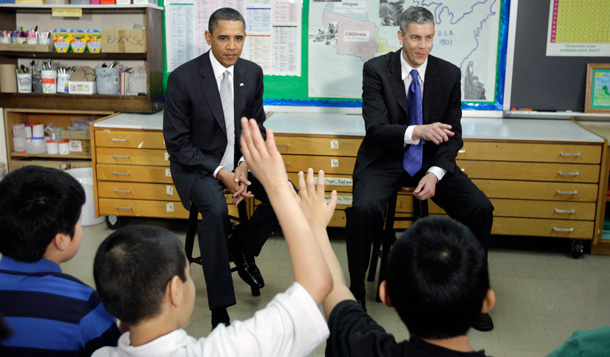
column 75, row 87
column 123, row 2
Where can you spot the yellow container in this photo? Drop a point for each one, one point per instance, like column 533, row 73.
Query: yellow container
column 79, row 41
column 94, row 41
column 61, row 40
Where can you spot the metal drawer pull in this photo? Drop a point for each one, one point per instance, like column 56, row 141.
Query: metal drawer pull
column 557, row 210
column 124, row 208
column 461, row 151
column 569, row 173
column 567, row 192
column 569, row 154
column 121, row 140
column 563, row 229
column 122, row 191
column 286, row 163
column 121, row 173
column 120, row 157
column 282, row 146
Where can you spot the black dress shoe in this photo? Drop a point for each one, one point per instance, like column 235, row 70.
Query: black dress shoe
column 220, row 316
column 246, row 267
column 483, row 323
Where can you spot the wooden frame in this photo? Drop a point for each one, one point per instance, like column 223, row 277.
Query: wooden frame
column 598, row 74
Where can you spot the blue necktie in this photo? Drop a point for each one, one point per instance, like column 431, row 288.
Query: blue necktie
column 413, row 157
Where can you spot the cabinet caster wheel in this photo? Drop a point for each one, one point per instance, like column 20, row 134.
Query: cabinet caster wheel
column 577, row 248
column 113, row 222
column 255, row 291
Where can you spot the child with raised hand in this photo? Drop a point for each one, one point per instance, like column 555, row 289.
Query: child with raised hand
column 290, row 325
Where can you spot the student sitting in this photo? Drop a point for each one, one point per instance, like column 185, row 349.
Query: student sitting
column 143, row 278
column 50, row 313
column 438, row 283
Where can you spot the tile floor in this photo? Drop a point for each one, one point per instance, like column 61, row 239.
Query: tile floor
column 543, row 294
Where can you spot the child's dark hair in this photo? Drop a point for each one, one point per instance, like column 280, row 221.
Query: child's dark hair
column 132, row 268
column 37, row 203
column 438, row 278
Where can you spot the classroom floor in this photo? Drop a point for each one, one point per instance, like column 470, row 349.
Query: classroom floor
column 542, row 293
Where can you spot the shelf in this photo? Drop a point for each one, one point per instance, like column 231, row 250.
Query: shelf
column 114, row 103
column 16, row 155
column 77, row 56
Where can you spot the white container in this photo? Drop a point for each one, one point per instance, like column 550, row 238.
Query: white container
column 19, row 131
column 38, row 130
column 63, row 147
column 28, row 131
column 108, row 80
column 85, row 177
column 36, row 146
column 19, row 144
column 62, row 82
column 24, row 82
column 52, row 147
column 49, row 81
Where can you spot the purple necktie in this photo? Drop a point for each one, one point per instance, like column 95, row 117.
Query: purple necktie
column 413, row 157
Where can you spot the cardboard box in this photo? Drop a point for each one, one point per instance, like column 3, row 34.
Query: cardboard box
column 80, row 146
column 55, row 164
column 135, row 41
column 77, row 164
column 113, row 41
column 75, row 87
column 75, row 135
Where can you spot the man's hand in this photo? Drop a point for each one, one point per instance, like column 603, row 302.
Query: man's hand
column 263, row 158
column 426, row 187
column 312, row 200
column 435, row 132
column 241, row 178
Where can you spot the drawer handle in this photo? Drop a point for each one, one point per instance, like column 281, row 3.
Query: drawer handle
column 121, row 173
column 557, row 210
column 569, row 154
column 286, row 164
column 282, row 146
column 561, row 173
column 563, row 229
column 123, row 208
column 461, row 151
column 120, row 157
column 122, row 191
column 567, row 192
column 121, row 140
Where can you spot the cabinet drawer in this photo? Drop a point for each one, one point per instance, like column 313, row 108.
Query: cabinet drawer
column 341, row 183
column 548, row 191
column 127, row 156
column 338, row 219
column 154, row 174
column 330, row 165
column 543, row 227
column 146, row 191
column 130, row 139
column 317, row 146
column 147, row 208
column 529, row 171
column 532, row 152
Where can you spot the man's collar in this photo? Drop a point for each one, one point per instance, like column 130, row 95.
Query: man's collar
column 405, row 68
column 218, row 68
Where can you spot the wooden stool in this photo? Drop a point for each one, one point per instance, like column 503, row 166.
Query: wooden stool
column 191, row 231
column 383, row 244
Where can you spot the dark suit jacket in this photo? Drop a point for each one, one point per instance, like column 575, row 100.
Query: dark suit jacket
column 385, row 111
column 193, row 120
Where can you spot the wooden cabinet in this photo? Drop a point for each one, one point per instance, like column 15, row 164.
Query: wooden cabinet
column 93, row 16
column 60, row 118
column 131, row 170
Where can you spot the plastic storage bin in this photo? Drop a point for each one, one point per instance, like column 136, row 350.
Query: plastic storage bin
column 84, row 175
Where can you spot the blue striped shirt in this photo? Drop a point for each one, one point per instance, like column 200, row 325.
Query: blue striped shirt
column 51, row 313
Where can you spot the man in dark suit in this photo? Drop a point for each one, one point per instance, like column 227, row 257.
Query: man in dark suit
column 205, row 100
column 412, row 111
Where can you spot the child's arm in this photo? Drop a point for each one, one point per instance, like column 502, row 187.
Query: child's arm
column 317, row 211
column 265, row 162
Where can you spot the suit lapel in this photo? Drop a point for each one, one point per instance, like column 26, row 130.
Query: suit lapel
column 431, row 86
column 398, row 86
column 209, row 88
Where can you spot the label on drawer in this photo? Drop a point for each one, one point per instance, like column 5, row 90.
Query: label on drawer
column 334, row 144
column 334, row 162
column 168, row 173
column 166, row 156
column 169, row 190
column 341, row 200
column 169, row 207
column 336, row 181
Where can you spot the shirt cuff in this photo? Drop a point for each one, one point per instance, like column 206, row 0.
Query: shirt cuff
column 216, row 171
column 409, row 136
column 437, row 171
